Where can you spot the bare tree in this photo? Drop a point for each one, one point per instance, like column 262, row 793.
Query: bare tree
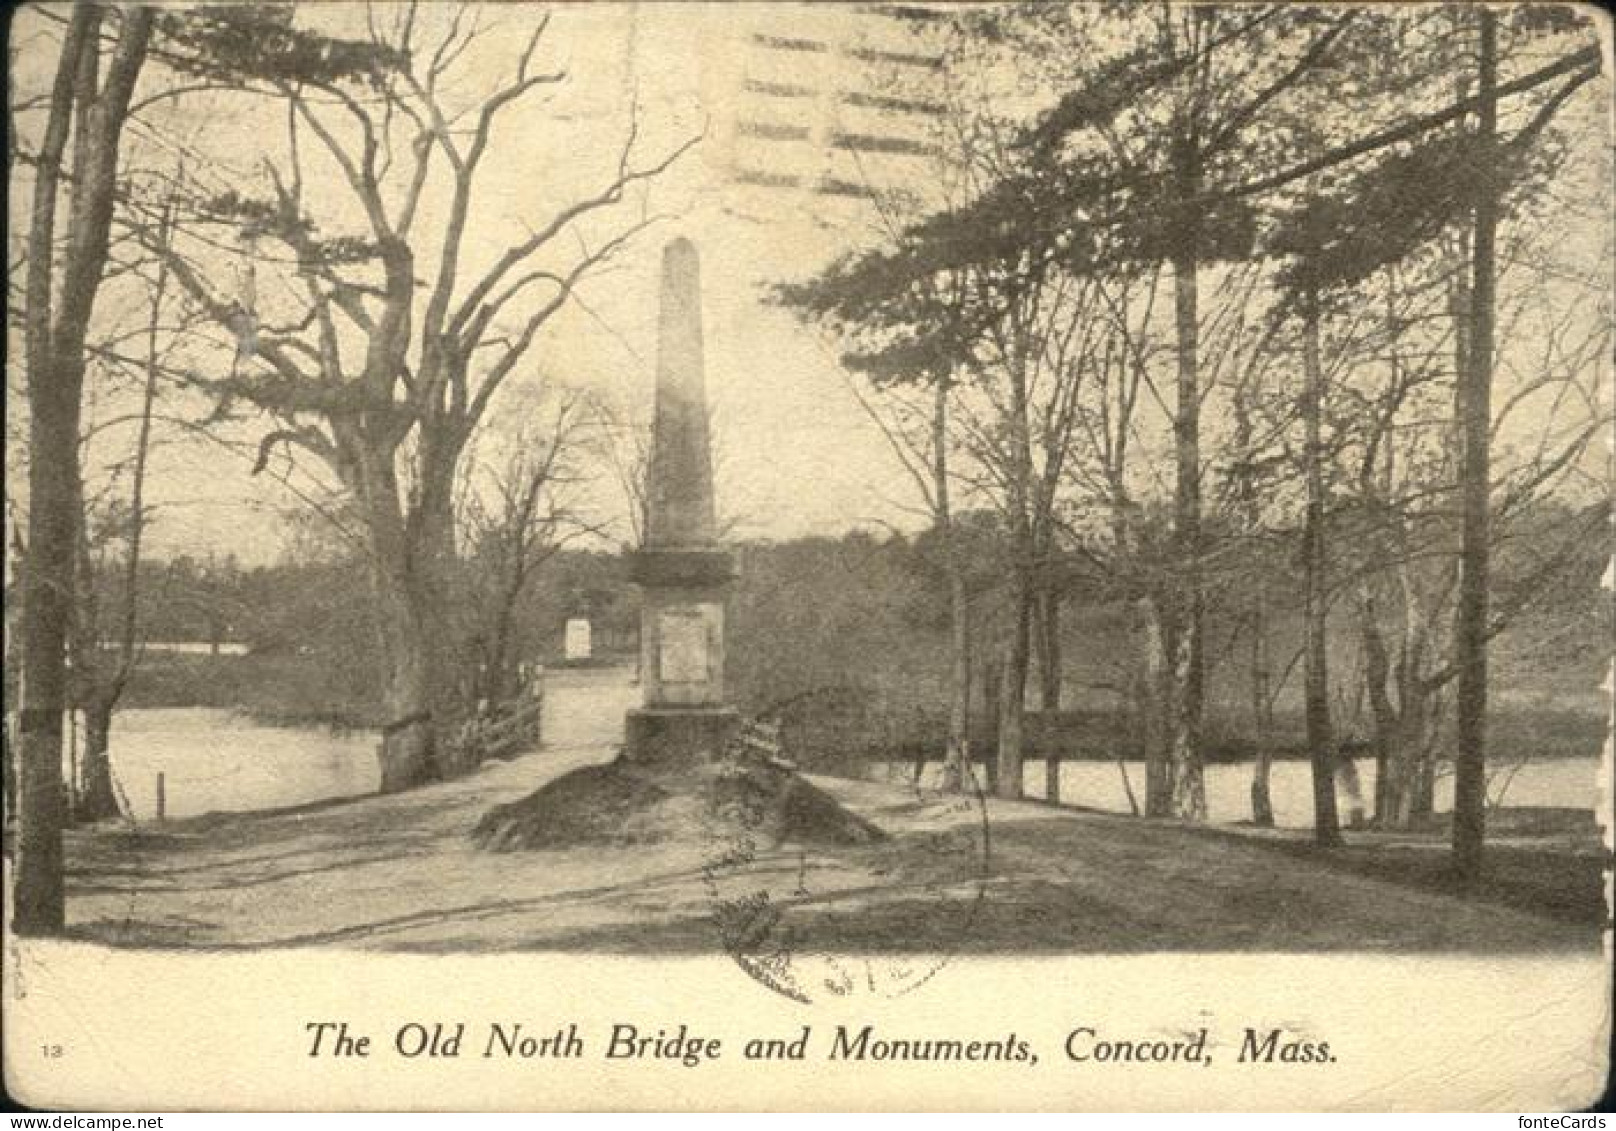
column 61, row 287
column 517, row 518
column 1474, row 409
column 385, row 391
column 105, row 642
column 1315, row 567
column 623, row 445
column 916, row 423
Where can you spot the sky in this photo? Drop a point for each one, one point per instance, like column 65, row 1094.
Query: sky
column 794, row 452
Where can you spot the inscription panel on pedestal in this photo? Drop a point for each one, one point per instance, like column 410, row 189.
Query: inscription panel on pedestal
column 684, row 654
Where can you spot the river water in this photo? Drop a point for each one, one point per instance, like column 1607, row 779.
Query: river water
column 1561, row 782
column 214, row 760
column 220, row 760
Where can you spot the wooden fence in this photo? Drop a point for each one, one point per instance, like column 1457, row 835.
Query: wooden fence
column 500, row 731
column 760, row 738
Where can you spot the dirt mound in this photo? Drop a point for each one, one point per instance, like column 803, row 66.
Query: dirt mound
column 591, row 805
column 621, row 803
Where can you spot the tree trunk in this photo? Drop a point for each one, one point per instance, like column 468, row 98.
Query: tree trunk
column 408, row 748
column 1150, row 708
column 992, row 703
column 1350, row 784
column 450, row 658
column 1475, row 420
column 41, row 799
column 412, row 558
column 53, row 435
column 1024, row 581
column 1049, row 685
column 1187, row 673
column 1183, row 753
column 1262, row 804
column 97, row 800
column 958, row 757
column 1407, row 754
column 11, row 691
column 1377, row 672
column 1013, row 691
column 1320, row 740
column 1250, row 511
column 58, row 306
column 1422, row 800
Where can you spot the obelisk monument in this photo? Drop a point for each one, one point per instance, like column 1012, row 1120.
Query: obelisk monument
column 682, row 571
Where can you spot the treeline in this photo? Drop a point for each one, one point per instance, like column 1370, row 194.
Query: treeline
column 298, row 641
column 856, row 628
column 846, row 641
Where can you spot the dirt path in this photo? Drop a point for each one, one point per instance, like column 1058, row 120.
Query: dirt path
column 400, row 873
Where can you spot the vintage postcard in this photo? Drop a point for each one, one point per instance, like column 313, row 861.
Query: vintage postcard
column 785, row 556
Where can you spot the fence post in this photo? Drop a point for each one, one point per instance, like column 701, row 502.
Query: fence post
column 162, row 798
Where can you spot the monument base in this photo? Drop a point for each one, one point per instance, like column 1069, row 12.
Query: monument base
column 659, row 735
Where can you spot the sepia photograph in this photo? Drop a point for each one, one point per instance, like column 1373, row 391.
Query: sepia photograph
column 794, row 556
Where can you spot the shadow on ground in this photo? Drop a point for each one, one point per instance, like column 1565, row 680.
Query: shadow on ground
column 1050, row 882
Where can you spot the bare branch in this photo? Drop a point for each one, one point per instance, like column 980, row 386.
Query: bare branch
column 607, row 196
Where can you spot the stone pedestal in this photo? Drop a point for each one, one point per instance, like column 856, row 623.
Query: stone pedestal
column 681, row 655
column 657, row 736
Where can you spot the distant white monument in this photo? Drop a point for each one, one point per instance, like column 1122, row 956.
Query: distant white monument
column 579, row 641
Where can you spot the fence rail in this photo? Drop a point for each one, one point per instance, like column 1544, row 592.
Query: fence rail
column 760, row 738
column 496, row 732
